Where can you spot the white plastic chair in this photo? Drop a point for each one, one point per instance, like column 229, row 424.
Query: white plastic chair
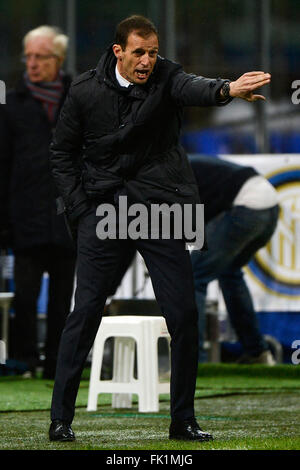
column 143, row 331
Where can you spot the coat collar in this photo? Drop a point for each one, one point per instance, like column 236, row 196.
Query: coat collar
column 24, row 93
column 21, row 88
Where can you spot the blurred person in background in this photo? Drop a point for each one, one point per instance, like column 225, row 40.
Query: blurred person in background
column 241, row 213
column 28, row 222
column 126, row 115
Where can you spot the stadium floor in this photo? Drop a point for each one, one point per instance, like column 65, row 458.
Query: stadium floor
column 245, row 407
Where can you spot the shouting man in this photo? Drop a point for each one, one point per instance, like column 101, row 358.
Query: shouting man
column 123, row 119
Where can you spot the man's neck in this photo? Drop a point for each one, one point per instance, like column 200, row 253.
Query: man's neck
column 122, row 81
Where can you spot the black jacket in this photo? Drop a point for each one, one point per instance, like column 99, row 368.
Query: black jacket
column 109, row 136
column 27, row 192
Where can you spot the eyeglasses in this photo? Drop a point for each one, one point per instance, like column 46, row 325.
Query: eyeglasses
column 38, row 57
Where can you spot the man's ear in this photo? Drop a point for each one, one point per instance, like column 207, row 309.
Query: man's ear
column 117, row 49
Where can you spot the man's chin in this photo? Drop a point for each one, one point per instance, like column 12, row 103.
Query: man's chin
column 141, row 81
column 35, row 79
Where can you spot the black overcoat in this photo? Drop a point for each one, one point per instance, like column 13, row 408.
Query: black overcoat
column 28, row 214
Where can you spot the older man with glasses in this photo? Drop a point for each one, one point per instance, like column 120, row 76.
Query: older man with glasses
column 28, row 223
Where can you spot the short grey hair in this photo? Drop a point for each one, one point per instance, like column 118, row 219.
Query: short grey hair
column 60, row 40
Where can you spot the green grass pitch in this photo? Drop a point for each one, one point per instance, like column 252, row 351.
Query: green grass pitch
column 245, row 407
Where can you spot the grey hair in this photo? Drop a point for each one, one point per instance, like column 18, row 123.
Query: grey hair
column 60, row 40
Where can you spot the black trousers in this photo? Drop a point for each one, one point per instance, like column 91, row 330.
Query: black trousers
column 98, row 263
column 28, row 271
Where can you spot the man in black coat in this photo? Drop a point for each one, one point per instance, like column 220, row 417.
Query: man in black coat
column 29, row 223
column 124, row 118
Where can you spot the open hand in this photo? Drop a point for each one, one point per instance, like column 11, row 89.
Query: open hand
column 244, row 86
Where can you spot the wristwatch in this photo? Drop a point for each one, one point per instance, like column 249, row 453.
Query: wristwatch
column 226, row 90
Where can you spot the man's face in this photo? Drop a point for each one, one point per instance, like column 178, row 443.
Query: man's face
column 137, row 61
column 41, row 63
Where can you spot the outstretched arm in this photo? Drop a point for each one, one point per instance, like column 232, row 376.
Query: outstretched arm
column 245, row 86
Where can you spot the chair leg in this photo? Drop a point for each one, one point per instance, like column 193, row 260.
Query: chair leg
column 124, row 349
column 148, row 374
column 2, row 352
column 153, row 375
column 97, row 359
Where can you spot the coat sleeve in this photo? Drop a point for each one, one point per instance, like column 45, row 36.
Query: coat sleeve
column 193, row 90
column 65, row 151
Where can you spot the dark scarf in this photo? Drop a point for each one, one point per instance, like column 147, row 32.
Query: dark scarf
column 49, row 93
